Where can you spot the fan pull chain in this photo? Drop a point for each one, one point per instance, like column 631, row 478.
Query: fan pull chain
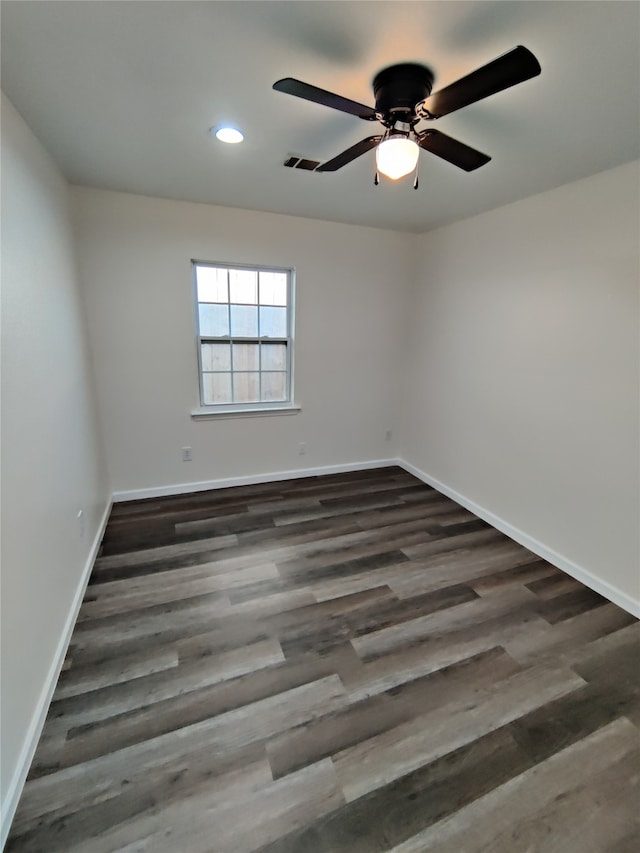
column 415, row 180
column 376, row 179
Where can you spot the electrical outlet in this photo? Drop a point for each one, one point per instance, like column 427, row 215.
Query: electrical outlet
column 302, row 448
column 186, row 454
column 387, row 435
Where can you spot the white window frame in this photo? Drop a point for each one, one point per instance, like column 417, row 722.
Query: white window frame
column 285, row 406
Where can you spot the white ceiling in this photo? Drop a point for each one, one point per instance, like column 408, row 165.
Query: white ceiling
column 122, row 95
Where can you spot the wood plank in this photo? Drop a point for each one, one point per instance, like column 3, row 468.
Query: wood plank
column 380, row 759
column 572, row 801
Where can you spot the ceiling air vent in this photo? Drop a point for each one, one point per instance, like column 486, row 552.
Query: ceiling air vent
column 300, row 163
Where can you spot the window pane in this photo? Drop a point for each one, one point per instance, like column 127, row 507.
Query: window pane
column 273, row 322
column 216, row 388
column 214, row 320
column 212, row 284
column 274, row 356
column 243, row 317
column 244, row 321
column 246, row 387
column 245, row 357
column 244, row 286
column 273, row 288
column 216, row 356
column 274, row 386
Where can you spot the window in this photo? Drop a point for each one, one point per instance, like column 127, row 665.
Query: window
column 244, row 319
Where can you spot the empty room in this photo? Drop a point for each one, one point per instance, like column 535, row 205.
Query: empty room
column 320, row 426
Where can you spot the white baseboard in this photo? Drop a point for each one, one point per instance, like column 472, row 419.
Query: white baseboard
column 250, row 480
column 576, row 571
column 40, row 714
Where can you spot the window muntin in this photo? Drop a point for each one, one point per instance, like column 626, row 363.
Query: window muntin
column 244, row 326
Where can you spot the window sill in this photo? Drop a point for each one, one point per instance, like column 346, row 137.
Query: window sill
column 214, row 414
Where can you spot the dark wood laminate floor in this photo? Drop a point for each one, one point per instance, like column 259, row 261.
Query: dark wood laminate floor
column 341, row 663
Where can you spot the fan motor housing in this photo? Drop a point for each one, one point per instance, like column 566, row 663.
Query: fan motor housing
column 399, row 88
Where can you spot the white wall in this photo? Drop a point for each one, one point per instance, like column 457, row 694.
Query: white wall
column 51, row 454
column 522, row 381
column 135, row 255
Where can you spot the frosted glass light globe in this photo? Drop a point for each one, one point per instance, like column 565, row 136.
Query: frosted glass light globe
column 396, row 157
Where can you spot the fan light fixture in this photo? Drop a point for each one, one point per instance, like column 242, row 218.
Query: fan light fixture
column 396, row 156
column 228, row 134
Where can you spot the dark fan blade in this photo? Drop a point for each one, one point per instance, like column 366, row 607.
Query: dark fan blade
column 507, row 70
column 350, row 154
column 451, row 150
column 320, row 96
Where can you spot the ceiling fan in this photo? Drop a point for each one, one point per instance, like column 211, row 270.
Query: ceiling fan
column 403, row 98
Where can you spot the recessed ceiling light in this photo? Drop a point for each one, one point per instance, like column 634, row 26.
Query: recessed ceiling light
column 227, row 134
